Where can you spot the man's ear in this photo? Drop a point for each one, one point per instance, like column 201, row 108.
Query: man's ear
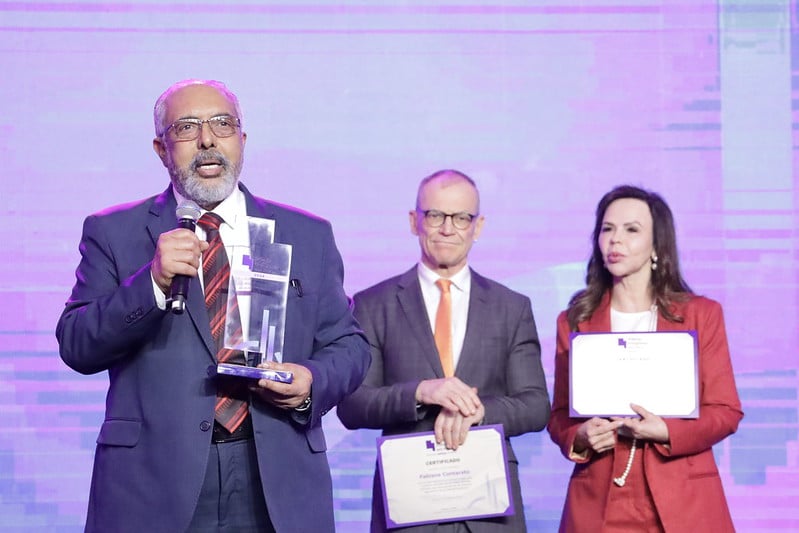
column 160, row 149
column 478, row 227
column 413, row 221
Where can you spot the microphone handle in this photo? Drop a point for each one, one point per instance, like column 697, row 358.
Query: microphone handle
column 179, row 289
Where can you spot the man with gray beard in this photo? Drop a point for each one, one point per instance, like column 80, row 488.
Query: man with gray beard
column 183, row 449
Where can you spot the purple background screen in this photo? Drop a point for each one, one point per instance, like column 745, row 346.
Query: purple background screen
column 347, row 105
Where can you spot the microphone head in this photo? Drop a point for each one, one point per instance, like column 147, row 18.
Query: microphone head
column 188, row 210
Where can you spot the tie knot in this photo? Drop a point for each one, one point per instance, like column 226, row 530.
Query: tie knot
column 210, row 221
column 444, row 285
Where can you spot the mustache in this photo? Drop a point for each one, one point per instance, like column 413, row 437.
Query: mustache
column 210, row 156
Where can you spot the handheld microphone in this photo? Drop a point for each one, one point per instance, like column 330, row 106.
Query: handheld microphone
column 187, row 214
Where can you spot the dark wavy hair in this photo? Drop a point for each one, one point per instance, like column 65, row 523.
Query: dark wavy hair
column 667, row 282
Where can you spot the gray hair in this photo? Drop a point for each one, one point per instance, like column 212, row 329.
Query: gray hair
column 159, row 111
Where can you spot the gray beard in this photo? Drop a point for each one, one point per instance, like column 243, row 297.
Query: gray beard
column 203, row 191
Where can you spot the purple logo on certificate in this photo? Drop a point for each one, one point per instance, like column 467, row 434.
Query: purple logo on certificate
column 622, row 342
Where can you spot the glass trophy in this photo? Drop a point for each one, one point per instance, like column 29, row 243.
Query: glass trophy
column 259, row 282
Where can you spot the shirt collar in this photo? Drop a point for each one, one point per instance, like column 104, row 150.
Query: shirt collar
column 230, row 209
column 460, row 280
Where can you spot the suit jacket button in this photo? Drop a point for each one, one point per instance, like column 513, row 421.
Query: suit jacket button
column 205, row 425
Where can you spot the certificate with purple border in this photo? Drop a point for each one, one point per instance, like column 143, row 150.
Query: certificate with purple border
column 424, row 482
column 657, row 370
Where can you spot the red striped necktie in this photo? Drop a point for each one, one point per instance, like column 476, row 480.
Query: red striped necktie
column 231, row 400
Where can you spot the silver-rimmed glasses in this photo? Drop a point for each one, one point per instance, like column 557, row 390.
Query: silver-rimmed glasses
column 188, row 129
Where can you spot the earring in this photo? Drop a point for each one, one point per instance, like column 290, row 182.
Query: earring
column 654, row 260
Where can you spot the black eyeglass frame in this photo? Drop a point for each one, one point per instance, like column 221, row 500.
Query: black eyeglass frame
column 462, row 223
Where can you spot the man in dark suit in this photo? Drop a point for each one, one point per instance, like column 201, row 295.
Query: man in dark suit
column 162, row 463
column 491, row 344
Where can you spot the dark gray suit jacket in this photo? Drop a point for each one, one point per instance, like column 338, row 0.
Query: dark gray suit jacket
column 501, row 357
column 153, row 445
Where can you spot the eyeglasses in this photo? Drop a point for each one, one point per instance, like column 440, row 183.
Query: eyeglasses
column 435, row 218
column 188, row 129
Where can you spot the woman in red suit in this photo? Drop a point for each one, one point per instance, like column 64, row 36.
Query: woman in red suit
column 644, row 473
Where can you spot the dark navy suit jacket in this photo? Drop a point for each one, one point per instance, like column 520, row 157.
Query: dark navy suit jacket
column 153, row 446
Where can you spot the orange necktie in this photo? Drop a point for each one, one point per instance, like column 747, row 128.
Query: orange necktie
column 443, row 333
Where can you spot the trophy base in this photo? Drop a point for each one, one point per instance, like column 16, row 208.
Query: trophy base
column 251, row 372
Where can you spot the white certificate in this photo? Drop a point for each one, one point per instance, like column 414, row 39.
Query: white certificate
column 656, row 370
column 423, row 482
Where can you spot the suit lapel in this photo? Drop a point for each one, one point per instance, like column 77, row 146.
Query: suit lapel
column 600, row 319
column 162, row 220
column 257, row 207
column 162, row 215
column 478, row 327
column 409, row 298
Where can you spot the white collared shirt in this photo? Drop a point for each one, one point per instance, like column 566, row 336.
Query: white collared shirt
column 460, row 289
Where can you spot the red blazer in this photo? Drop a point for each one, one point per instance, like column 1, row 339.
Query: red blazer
column 683, row 477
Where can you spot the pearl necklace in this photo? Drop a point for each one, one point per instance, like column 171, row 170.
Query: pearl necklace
column 622, row 479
